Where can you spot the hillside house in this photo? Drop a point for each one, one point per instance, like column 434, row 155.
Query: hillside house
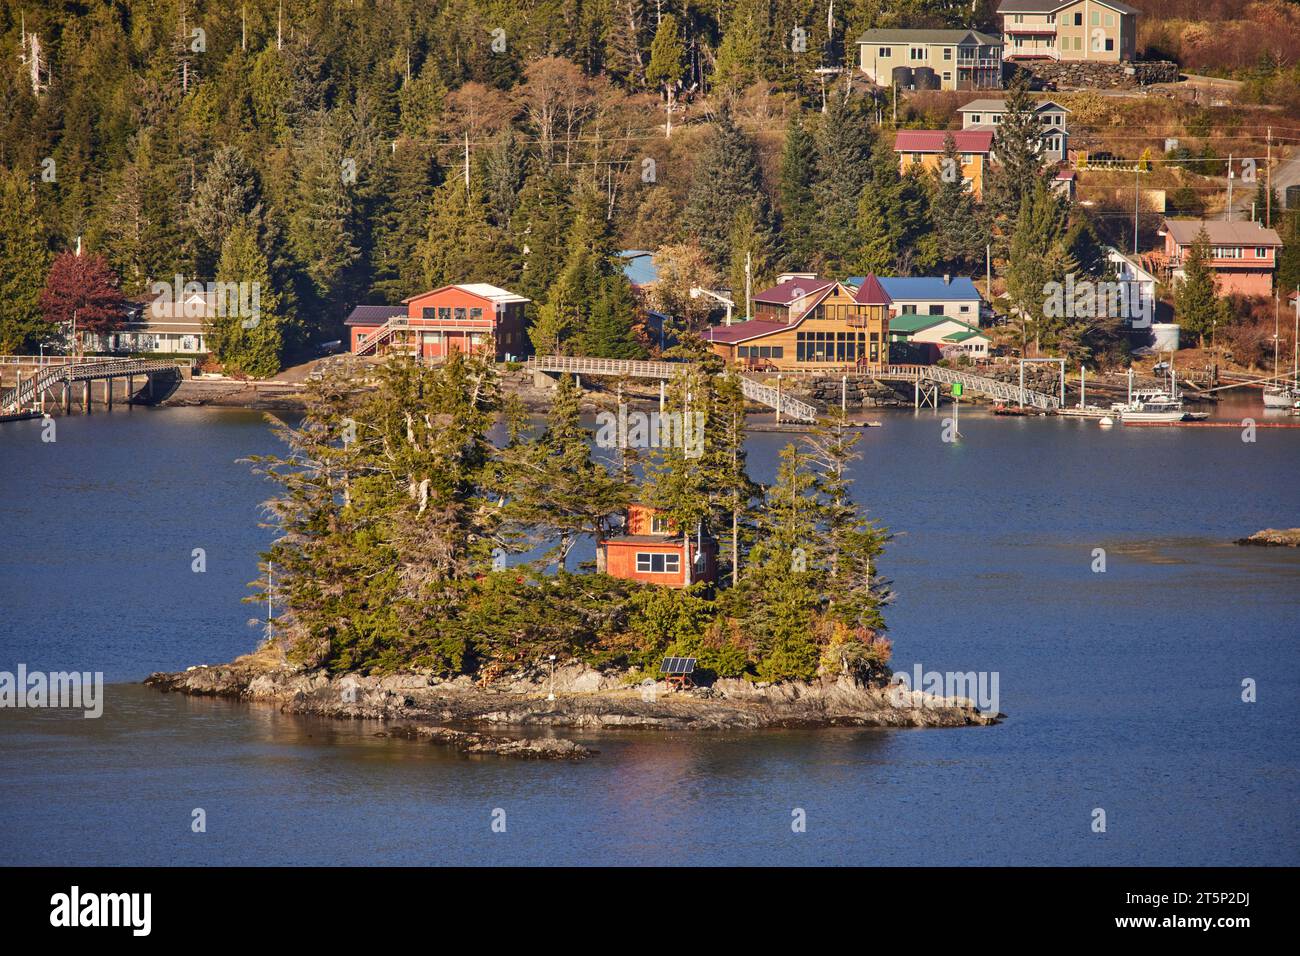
column 462, row 317
column 932, row 59
column 1098, row 30
column 986, row 114
column 1243, row 255
column 922, row 150
column 954, row 297
column 938, row 336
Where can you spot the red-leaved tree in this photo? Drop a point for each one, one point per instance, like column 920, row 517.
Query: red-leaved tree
column 84, row 287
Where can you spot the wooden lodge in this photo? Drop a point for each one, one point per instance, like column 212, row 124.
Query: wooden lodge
column 653, row 551
column 806, row 322
column 463, row 317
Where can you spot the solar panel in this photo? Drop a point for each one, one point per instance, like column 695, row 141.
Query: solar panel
column 677, row 665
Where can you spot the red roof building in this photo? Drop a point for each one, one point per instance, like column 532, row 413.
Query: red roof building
column 463, row 317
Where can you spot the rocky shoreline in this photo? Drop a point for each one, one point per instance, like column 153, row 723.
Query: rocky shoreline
column 1274, row 538
column 421, row 706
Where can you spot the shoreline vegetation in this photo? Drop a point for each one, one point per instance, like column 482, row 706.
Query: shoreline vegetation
column 425, row 530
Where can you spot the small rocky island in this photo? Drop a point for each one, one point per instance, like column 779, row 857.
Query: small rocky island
column 1274, row 538
column 420, row 706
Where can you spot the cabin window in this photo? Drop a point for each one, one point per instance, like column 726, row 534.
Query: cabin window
column 885, row 53
column 909, row 309
column 459, row 313
column 650, row 563
column 444, row 313
column 476, row 313
column 936, row 310
column 1261, row 252
column 660, row 525
column 947, row 53
column 1078, row 21
column 975, row 119
column 918, row 53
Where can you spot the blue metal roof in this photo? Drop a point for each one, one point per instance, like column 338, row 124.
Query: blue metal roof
column 639, row 266
column 923, row 288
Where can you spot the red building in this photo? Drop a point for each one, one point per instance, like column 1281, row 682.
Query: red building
column 1243, row 255
column 431, row 324
column 653, row 551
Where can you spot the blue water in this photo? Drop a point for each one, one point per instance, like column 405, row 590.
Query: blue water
column 1123, row 689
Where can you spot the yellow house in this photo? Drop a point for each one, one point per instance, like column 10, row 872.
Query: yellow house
column 922, row 149
column 931, row 59
column 1101, row 30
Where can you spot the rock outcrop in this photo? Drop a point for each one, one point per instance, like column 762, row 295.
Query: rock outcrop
column 1274, row 538
column 584, row 698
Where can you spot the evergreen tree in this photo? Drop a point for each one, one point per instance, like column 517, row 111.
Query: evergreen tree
column 798, row 210
column 1288, row 257
column 741, row 55
column 665, row 68
column 226, row 196
column 750, row 245
column 1038, row 256
column 726, row 179
column 247, row 344
column 542, row 223
column 893, row 224
column 1197, row 305
column 955, row 223
column 323, row 227
column 461, row 245
column 411, row 179
column 844, row 145
column 24, row 263
column 1017, row 148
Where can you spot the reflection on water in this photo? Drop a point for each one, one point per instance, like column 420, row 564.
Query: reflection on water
column 1123, row 687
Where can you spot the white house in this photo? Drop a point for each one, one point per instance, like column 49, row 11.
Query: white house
column 988, row 113
column 955, row 297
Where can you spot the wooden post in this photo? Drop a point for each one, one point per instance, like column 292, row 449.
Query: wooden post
column 130, row 388
column 108, row 392
column 67, row 397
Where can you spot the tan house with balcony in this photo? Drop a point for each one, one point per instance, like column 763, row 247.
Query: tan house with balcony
column 932, row 59
column 1100, row 30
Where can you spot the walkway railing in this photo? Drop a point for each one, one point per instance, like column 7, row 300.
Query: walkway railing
column 13, row 399
column 752, row 389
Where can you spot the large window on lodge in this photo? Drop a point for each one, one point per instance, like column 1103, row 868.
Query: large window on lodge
column 843, row 347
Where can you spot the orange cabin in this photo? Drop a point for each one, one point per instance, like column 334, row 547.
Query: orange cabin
column 655, row 552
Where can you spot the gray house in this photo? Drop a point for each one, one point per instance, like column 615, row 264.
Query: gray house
column 988, row 113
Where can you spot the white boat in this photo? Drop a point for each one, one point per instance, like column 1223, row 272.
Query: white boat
column 1150, row 405
column 1283, row 396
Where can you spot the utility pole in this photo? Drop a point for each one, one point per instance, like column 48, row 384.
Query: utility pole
column 1137, row 175
column 243, row 27
column 279, row 26
column 1230, row 178
column 1268, row 172
column 467, row 160
column 748, row 278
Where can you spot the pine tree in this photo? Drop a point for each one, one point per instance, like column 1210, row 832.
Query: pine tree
column 726, row 179
column 666, row 68
column 411, row 178
column 323, row 226
column 24, row 263
column 542, row 223
column 1017, row 150
column 955, row 223
column 1197, row 305
column 226, row 196
column 798, row 210
column 844, row 145
column 741, row 55
column 893, row 221
column 247, row 344
column 1288, row 257
column 733, row 489
column 461, row 245
column 750, row 244
column 1038, row 256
